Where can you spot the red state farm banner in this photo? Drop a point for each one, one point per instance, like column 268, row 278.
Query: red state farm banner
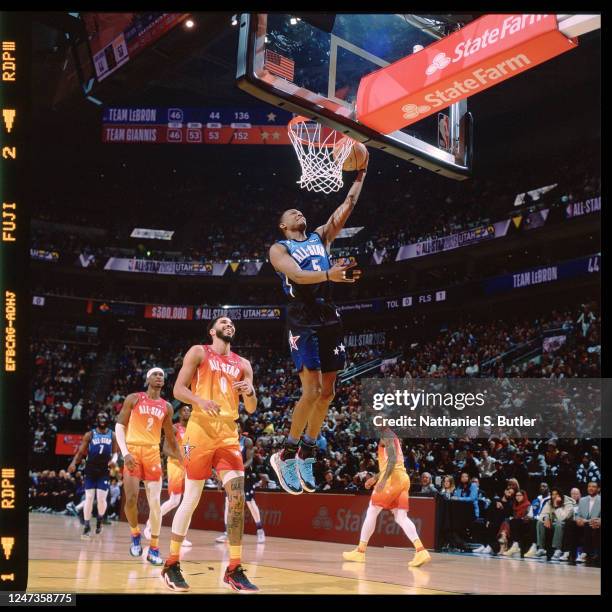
column 484, row 53
column 67, row 443
column 319, row 516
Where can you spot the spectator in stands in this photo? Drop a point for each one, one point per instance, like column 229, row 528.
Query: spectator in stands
column 463, row 511
column 498, row 480
column 448, row 487
column 539, row 502
column 587, row 471
column 551, row 524
column 427, row 486
column 576, row 495
column 500, row 510
column 487, row 464
column 585, row 529
column 522, row 527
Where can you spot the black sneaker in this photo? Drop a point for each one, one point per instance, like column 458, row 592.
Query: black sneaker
column 173, row 577
column 238, row 581
column 86, row 535
column 98, row 527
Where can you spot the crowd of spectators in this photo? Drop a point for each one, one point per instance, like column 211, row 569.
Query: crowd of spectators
column 451, row 207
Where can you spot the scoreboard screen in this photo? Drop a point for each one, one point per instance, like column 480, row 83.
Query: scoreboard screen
column 210, row 125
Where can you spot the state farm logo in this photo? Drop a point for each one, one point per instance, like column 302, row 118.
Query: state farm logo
column 412, row 110
column 322, row 520
column 470, row 46
column 439, row 61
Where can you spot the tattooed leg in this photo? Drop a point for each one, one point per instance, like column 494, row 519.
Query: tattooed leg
column 235, row 515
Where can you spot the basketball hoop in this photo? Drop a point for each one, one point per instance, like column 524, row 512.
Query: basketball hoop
column 321, row 152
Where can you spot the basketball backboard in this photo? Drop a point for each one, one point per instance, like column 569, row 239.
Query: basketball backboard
column 311, row 65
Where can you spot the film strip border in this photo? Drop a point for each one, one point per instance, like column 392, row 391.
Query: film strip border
column 15, row 45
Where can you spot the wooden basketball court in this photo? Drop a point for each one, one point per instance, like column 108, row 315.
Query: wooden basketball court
column 61, row 562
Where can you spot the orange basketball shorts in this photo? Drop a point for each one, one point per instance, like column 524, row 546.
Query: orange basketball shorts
column 176, row 478
column 395, row 492
column 211, row 443
column 148, row 462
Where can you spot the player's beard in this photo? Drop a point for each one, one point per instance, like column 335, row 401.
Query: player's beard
column 223, row 337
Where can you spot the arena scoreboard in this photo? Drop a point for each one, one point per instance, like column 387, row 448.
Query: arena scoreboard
column 210, row 125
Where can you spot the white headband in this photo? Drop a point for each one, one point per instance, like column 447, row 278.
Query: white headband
column 153, row 370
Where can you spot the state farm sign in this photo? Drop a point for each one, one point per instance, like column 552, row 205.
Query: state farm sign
column 484, row 53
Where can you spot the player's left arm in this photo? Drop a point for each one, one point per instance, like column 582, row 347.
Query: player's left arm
column 170, row 444
column 245, row 387
column 336, row 222
column 391, row 459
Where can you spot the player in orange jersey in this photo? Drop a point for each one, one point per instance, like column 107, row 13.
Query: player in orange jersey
column 217, row 377
column 144, row 415
column 391, row 487
column 176, row 472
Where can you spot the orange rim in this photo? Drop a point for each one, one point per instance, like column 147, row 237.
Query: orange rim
column 325, row 131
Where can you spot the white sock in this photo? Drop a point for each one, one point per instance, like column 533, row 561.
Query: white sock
column 101, row 500
column 153, row 490
column 401, row 518
column 89, row 500
column 369, row 524
column 254, row 511
column 172, row 502
column 191, row 497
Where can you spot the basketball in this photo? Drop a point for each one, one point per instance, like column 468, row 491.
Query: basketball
column 356, row 158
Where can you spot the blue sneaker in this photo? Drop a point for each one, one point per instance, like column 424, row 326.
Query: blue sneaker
column 287, row 473
column 304, row 469
column 135, row 547
column 153, row 557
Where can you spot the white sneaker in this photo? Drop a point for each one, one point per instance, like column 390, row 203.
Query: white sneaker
column 187, row 544
column 488, row 550
column 581, row 558
column 557, row 555
column 564, row 556
column 261, row 536
column 222, row 538
column 479, row 550
column 540, row 552
column 147, row 531
column 532, row 552
column 513, row 550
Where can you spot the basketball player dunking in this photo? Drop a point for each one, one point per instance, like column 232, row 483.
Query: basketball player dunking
column 217, row 377
column 97, row 444
column 316, row 340
column 144, row 415
column 391, row 487
column 176, row 472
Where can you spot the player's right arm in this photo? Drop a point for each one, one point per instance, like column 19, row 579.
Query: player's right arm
column 250, row 453
column 181, row 390
column 80, row 453
column 285, row 264
column 123, row 419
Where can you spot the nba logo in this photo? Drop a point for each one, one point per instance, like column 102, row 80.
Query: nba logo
column 444, row 141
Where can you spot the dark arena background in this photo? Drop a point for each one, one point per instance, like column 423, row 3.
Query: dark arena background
column 497, row 275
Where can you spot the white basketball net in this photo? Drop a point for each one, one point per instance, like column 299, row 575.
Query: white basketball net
column 321, row 152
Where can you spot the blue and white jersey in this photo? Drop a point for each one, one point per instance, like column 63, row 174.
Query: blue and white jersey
column 311, row 255
column 100, row 449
